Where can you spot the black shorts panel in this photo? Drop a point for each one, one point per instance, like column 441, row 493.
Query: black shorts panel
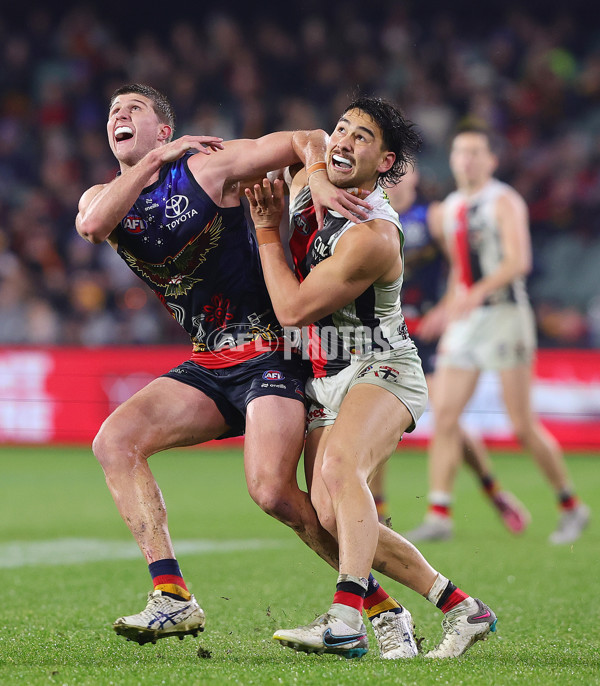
column 232, row 388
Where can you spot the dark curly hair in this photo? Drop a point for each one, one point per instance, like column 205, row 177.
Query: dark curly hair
column 400, row 135
column 160, row 102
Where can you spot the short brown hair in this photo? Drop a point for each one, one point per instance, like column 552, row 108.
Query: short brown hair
column 160, row 102
column 474, row 125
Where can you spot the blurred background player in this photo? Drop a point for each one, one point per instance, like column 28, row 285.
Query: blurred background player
column 422, row 290
column 491, row 327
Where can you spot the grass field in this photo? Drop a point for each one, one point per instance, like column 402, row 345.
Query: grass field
column 68, row 569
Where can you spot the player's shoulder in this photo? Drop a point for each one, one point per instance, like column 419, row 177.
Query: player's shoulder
column 210, row 172
column 194, row 161
column 296, row 180
column 507, row 196
column 376, row 235
column 382, row 219
column 88, row 195
column 448, row 203
column 451, row 197
column 433, row 207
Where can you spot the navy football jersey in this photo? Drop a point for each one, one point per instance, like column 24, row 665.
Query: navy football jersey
column 200, row 259
column 424, row 265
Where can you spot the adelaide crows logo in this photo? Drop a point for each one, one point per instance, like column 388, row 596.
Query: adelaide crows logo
column 175, row 275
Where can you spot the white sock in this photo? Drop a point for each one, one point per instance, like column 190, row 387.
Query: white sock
column 360, row 580
column 440, row 498
column 349, row 615
column 439, row 586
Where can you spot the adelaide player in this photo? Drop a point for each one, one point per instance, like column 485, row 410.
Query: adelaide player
column 174, row 215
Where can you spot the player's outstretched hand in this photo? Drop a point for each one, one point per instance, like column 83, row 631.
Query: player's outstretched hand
column 327, row 196
column 464, row 300
column 175, row 149
column 266, row 203
column 433, row 323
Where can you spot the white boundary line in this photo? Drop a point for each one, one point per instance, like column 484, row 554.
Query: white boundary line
column 68, row 551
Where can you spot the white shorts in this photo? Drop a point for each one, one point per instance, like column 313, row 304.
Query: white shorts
column 492, row 337
column 397, row 371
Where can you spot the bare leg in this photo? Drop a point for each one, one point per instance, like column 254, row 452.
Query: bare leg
column 377, row 486
column 394, row 556
column 366, row 431
column 475, row 454
column 339, row 461
column 272, row 449
column 163, row 415
column 516, row 387
column 400, row 560
column 513, row 513
column 453, row 389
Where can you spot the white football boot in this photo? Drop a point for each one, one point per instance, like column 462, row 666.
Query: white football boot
column 571, row 525
column 326, row 634
column 394, row 632
column 434, row 528
column 468, row 622
column 163, row 617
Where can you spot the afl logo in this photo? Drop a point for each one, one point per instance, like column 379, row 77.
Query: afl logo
column 273, row 375
column 134, row 224
column 176, row 205
column 300, row 224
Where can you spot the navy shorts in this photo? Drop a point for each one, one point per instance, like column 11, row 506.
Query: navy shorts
column 232, row 388
column 427, row 353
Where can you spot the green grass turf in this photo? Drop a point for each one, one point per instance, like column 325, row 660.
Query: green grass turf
column 55, row 619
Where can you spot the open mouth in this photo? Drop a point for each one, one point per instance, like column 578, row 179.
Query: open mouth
column 123, row 133
column 341, row 163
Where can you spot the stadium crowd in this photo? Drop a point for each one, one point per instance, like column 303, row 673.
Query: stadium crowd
column 535, row 80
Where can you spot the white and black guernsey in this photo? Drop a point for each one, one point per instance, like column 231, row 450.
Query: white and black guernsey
column 473, row 234
column 373, row 322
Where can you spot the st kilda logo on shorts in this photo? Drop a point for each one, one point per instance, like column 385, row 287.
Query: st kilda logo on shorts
column 273, row 375
column 134, row 224
column 381, row 371
column 387, row 373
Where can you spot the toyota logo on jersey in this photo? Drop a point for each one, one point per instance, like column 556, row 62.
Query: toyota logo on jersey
column 176, row 205
column 134, row 224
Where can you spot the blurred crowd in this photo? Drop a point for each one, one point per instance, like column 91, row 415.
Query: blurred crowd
column 536, row 80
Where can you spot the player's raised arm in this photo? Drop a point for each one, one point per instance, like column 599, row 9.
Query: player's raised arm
column 102, row 207
column 244, row 162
